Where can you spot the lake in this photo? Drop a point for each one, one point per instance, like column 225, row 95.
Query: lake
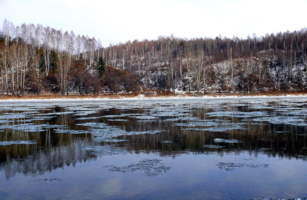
column 231, row 148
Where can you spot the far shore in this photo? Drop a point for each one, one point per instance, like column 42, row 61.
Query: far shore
column 151, row 96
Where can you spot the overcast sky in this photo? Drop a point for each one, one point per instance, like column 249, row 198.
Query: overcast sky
column 114, row 21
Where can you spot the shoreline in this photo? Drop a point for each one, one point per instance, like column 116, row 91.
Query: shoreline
column 143, row 97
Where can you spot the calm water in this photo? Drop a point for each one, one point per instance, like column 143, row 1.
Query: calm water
column 154, row 149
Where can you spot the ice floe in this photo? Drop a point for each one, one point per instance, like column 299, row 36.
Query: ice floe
column 104, row 150
column 151, row 167
column 71, row 131
column 237, row 114
column 89, row 118
column 30, row 127
column 118, row 120
column 230, row 141
column 232, row 166
column 17, row 142
column 167, row 141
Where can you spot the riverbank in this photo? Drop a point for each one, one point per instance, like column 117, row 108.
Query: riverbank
column 150, row 95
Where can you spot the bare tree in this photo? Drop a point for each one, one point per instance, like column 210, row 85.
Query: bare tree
column 72, row 43
column 78, row 47
column 25, row 54
column 47, row 50
column 201, row 58
column 189, row 63
column 123, row 56
column 91, row 50
column 231, row 65
column 5, row 52
column 84, row 48
column 39, row 30
column 32, row 36
column 99, row 49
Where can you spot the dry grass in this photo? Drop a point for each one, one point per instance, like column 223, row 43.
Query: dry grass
column 72, row 96
column 149, row 93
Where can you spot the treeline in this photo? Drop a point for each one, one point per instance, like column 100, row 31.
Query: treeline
column 275, row 61
column 36, row 58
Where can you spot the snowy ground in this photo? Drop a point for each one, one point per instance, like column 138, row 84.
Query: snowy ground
column 142, row 97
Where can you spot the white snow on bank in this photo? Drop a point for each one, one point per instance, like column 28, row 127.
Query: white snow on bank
column 142, row 97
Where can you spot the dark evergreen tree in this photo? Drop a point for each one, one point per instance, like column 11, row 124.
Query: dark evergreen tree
column 101, row 66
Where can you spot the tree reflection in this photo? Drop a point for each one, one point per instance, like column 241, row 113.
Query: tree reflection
column 55, row 150
column 45, row 159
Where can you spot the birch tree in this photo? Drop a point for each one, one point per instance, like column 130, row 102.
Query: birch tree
column 25, row 54
column 47, row 50
column 5, row 52
column 84, row 48
column 78, row 47
column 231, row 65
column 199, row 67
column 99, row 50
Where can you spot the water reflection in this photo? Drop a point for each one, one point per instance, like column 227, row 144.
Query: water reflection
column 55, row 150
column 36, row 138
column 36, row 160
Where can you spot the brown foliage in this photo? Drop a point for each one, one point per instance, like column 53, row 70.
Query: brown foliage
column 117, row 79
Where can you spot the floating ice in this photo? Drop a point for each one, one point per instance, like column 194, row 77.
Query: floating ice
column 151, row 167
column 94, row 125
column 88, row 118
column 118, row 120
column 196, row 124
column 218, row 128
column 71, row 131
column 17, row 142
column 231, row 141
column 169, row 114
column 103, row 131
column 99, row 139
column 189, row 118
column 144, row 117
column 52, row 126
column 104, row 150
column 288, row 120
column 280, row 132
column 237, row 114
column 146, row 120
column 12, row 116
column 129, row 114
column 232, row 166
column 122, row 115
column 30, row 127
column 86, row 113
column 112, row 116
column 167, row 141
column 56, row 113
column 4, row 121
column 42, row 118
column 173, row 119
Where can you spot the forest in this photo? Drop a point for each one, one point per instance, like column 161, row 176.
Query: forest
column 35, row 59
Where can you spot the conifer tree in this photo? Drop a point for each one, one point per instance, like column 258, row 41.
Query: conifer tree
column 101, row 67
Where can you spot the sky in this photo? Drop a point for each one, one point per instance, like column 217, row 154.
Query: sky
column 118, row 21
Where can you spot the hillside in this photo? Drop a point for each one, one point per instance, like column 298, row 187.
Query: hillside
column 37, row 59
